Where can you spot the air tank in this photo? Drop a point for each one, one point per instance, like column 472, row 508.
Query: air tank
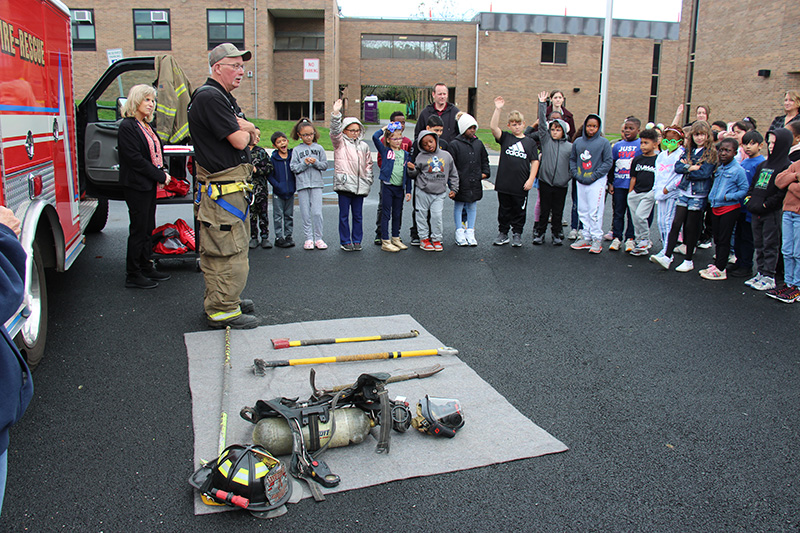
column 352, row 426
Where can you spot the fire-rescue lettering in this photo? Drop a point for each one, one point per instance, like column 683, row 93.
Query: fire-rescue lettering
column 31, row 48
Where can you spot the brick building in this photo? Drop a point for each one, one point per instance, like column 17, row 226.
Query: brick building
column 713, row 56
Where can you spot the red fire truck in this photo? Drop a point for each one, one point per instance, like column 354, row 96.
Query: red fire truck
column 58, row 160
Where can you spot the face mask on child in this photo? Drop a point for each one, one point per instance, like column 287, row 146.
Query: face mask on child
column 670, row 145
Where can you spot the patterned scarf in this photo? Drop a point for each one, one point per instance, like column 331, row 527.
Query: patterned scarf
column 152, row 142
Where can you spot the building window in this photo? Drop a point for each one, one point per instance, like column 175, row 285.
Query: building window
column 285, row 41
column 151, row 30
column 297, row 110
column 651, row 114
column 225, row 26
column 83, row 37
column 442, row 48
column 554, row 52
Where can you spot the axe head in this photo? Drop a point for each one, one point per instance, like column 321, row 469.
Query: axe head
column 280, row 343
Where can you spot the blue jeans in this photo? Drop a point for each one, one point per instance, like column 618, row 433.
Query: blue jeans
column 350, row 203
column 471, row 209
column 619, row 202
column 391, row 208
column 791, row 248
column 575, row 223
column 3, row 476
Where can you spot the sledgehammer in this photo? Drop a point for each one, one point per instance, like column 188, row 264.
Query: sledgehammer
column 260, row 366
column 286, row 343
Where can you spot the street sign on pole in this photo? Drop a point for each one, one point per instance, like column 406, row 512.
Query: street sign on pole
column 310, row 73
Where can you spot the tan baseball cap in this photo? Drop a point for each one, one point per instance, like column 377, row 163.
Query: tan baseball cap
column 227, row 50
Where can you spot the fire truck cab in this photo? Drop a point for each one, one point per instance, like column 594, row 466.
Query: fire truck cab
column 58, row 160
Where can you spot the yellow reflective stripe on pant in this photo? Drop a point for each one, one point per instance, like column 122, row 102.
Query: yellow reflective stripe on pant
column 223, row 247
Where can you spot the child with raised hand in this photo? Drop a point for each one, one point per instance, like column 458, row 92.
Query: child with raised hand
column 434, row 172
column 307, row 162
column 472, row 163
column 352, row 175
column 395, row 164
column 764, row 200
column 283, row 188
column 589, row 163
column 696, row 167
column 554, row 176
column 730, row 187
column 665, row 185
column 623, row 152
column 640, row 192
column 516, row 172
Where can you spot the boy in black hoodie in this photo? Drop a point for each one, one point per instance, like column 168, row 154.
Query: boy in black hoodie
column 765, row 201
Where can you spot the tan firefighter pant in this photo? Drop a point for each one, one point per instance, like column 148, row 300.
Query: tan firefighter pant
column 223, row 247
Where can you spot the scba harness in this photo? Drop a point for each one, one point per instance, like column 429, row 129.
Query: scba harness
column 368, row 393
column 216, row 190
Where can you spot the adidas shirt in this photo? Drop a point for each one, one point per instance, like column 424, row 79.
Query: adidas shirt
column 514, row 169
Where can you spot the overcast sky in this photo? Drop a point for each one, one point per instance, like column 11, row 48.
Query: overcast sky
column 666, row 10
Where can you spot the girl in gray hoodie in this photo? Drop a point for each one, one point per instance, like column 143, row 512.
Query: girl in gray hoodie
column 589, row 163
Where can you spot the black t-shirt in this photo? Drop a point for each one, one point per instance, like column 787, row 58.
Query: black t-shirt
column 212, row 117
column 643, row 168
column 514, row 168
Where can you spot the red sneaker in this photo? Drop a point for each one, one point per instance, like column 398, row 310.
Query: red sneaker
column 438, row 246
column 427, row 245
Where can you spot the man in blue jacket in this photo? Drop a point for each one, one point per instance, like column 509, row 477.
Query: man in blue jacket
column 16, row 384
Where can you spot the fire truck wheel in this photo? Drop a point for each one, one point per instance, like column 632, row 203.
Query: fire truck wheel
column 99, row 218
column 31, row 338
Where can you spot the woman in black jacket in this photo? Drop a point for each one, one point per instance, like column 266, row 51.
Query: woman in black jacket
column 141, row 164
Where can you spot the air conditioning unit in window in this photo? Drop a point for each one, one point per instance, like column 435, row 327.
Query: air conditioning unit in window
column 82, row 16
column 159, row 16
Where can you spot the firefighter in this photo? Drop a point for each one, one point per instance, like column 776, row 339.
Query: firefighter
column 221, row 136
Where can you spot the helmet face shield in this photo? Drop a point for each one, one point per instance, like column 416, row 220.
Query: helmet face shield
column 439, row 416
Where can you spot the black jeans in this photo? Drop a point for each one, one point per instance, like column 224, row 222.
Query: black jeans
column 551, row 200
column 743, row 246
column 723, row 230
column 142, row 215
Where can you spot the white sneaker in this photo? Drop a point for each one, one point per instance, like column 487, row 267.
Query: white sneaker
column 731, row 258
column 686, row 266
column 615, row 245
column 461, row 238
column 662, row 260
column 573, row 234
column 470, row 235
column 767, row 283
column 752, row 281
column 609, row 236
column 680, row 249
column 630, row 244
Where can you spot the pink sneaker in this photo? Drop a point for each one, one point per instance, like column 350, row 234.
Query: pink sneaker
column 308, row 245
column 320, row 244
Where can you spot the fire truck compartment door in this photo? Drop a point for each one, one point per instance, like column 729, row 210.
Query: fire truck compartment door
column 102, row 157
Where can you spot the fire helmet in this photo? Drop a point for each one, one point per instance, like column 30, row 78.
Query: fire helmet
column 245, row 476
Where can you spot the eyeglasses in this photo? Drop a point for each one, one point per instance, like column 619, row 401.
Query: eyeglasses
column 236, row 66
column 307, row 134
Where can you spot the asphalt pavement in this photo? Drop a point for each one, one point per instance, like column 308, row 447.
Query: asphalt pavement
column 678, row 397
